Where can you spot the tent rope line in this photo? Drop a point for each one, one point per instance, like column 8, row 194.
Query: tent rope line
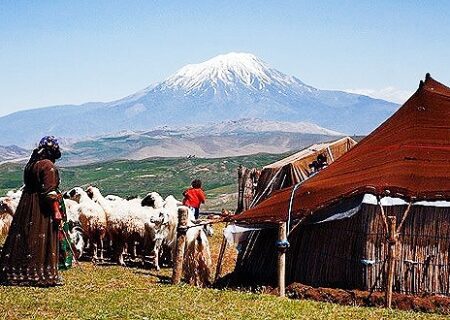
column 330, row 153
column 256, row 200
column 291, row 201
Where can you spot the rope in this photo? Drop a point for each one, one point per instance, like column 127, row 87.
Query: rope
column 265, row 190
column 290, row 205
column 204, row 223
column 330, row 153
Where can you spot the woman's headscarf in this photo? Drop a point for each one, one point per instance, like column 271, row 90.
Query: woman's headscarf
column 48, row 148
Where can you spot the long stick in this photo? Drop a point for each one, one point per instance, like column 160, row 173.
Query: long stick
column 71, row 249
column 392, row 220
column 383, row 215
column 405, row 215
column 220, row 257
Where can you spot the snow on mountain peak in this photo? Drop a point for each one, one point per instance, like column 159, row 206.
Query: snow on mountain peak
column 229, row 70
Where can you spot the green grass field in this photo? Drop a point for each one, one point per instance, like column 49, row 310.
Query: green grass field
column 113, row 292
column 119, row 293
column 164, row 175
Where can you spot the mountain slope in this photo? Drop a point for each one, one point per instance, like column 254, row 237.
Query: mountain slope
column 224, row 139
column 227, row 87
column 8, row 153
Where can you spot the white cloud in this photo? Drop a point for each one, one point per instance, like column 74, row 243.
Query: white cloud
column 388, row 93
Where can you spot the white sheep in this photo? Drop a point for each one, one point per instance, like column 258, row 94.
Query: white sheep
column 171, row 200
column 166, row 236
column 72, row 210
column 165, row 225
column 127, row 222
column 92, row 218
column 76, row 235
column 9, row 203
column 15, row 194
column 8, row 207
column 197, row 257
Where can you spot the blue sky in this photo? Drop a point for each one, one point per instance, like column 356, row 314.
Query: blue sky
column 70, row 52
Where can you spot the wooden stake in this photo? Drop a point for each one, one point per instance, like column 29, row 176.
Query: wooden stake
column 383, row 215
column 405, row 215
column 282, row 258
column 181, row 240
column 223, row 246
column 392, row 239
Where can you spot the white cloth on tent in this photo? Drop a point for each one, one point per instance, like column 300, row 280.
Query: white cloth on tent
column 388, row 201
column 385, row 201
column 236, row 234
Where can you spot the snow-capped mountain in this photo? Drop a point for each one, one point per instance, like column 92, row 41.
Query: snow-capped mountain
column 229, row 72
column 227, row 87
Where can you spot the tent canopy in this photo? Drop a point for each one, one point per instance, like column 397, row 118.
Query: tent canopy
column 408, row 156
column 295, row 168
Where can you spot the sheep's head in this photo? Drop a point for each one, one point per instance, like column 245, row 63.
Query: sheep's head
column 76, row 235
column 14, row 194
column 209, row 230
column 74, row 194
column 8, row 205
column 4, row 205
column 93, row 192
column 153, row 199
column 161, row 220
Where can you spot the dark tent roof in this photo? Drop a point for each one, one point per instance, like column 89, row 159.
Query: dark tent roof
column 408, row 156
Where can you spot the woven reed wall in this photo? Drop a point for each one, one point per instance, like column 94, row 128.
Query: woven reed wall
column 351, row 253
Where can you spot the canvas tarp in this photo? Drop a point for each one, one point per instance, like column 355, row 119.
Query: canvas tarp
column 295, row 168
column 408, row 156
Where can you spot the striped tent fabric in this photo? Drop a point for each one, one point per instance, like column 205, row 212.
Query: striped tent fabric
column 408, row 156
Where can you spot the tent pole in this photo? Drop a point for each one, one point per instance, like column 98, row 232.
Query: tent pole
column 282, row 246
column 392, row 240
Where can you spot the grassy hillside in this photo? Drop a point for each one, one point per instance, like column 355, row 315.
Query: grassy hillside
column 165, row 175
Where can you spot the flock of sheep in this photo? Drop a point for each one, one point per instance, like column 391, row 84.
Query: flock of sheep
column 139, row 228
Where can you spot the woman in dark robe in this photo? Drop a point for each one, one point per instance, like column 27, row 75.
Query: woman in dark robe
column 30, row 254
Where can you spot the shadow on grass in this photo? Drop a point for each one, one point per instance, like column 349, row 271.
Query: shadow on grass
column 164, row 279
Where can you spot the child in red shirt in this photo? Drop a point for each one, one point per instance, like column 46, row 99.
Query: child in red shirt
column 194, row 197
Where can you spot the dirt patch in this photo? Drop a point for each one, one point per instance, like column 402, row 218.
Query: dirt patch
column 425, row 303
column 422, row 303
